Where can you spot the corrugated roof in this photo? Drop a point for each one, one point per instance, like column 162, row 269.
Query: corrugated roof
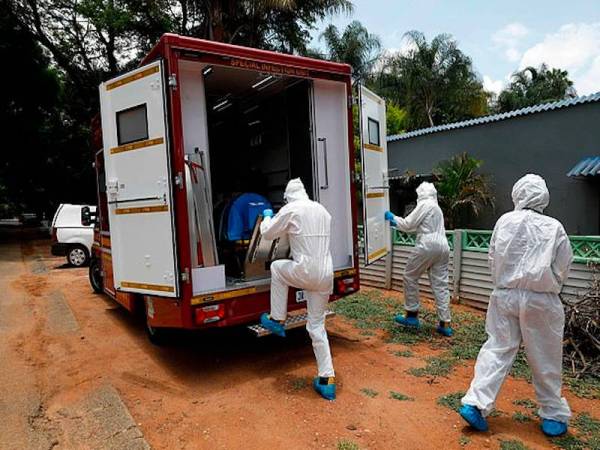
column 497, row 117
column 589, row 166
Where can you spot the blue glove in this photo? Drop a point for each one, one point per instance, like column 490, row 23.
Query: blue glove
column 268, row 213
column 389, row 216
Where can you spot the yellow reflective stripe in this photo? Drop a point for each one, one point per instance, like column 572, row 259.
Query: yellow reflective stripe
column 216, row 296
column 375, row 148
column 377, row 253
column 147, row 286
column 136, row 145
column 344, row 273
column 131, row 78
column 376, row 195
column 142, row 209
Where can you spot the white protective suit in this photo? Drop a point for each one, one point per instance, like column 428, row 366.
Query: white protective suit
column 308, row 227
column 530, row 256
column 431, row 252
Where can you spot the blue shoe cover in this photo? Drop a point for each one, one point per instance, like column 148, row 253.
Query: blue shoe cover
column 408, row 321
column 445, row 331
column 327, row 391
column 473, row 417
column 272, row 325
column 553, row 428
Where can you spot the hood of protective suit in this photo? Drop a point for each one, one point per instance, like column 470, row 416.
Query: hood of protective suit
column 295, row 191
column 531, row 192
column 426, row 191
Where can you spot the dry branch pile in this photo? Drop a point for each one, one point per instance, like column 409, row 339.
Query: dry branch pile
column 582, row 330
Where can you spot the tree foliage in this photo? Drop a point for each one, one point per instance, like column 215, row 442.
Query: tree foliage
column 396, row 119
column 532, row 86
column 64, row 48
column 355, row 46
column 463, row 192
column 434, row 81
column 46, row 153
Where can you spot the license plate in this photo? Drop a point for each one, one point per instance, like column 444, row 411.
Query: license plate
column 300, row 297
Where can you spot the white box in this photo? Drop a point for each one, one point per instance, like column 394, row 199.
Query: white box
column 208, row 278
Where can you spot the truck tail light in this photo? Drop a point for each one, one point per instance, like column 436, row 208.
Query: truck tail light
column 209, row 314
column 346, row 285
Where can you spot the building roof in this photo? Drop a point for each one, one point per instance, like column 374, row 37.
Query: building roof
column 498, row 117
column 589, row 166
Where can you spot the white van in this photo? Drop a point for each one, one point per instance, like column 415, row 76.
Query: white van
column 70, row 237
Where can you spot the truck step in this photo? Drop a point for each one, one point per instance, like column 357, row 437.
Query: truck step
column 295, row 321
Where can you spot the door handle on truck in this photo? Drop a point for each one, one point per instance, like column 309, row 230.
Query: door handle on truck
column 324, row 141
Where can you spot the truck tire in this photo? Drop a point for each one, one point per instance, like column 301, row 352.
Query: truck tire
column 78, row 256
column 95, row 275
column 158, row 336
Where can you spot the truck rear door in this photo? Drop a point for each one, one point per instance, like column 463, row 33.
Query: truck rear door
column 376, row 199
column 138, row 182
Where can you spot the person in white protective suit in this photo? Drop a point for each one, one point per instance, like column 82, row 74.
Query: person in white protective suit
column 431, row 253
column 530, row 256
column 308, row 227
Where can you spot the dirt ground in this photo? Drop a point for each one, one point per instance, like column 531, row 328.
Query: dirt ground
column 77, row 371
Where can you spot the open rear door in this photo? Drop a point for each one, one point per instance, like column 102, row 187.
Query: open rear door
column 376, row 199
column 138, row 182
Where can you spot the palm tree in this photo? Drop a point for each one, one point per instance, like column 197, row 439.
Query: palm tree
column 463, row 193
column 435, row 81
column 355, row 46
column 532, row 86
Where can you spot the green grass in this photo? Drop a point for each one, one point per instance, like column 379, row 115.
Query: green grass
column 586, row 387
column 588, row 434
column 521, row 418
column 437, row 366
column 451, row 401
column 512, row 445
column 587, row 424
column 403, row 353
column 401, row 397
column 371, row 310
column 345, row 444
column 526, row 403
column 464, row 441
column 368, row 311
column 299, row 383
column 569, row 442
column 369, row 392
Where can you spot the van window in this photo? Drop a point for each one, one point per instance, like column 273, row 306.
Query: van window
column 374, row 132
column 132, row 124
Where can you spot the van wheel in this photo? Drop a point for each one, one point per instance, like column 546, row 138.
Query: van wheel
column 78, row 256
column 95, row 275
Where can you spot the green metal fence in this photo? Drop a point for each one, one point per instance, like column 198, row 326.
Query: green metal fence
column 408, row 239
column 476, row 240
column 585, row 248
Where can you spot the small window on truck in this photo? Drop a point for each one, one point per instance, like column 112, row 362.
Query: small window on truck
column 374, row 132
column 132, row 124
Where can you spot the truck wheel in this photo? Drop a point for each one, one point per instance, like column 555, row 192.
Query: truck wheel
column 95, row 274
column 78, row 256
column 158, row 336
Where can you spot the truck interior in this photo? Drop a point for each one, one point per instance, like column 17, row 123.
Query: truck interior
column 257, row 135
